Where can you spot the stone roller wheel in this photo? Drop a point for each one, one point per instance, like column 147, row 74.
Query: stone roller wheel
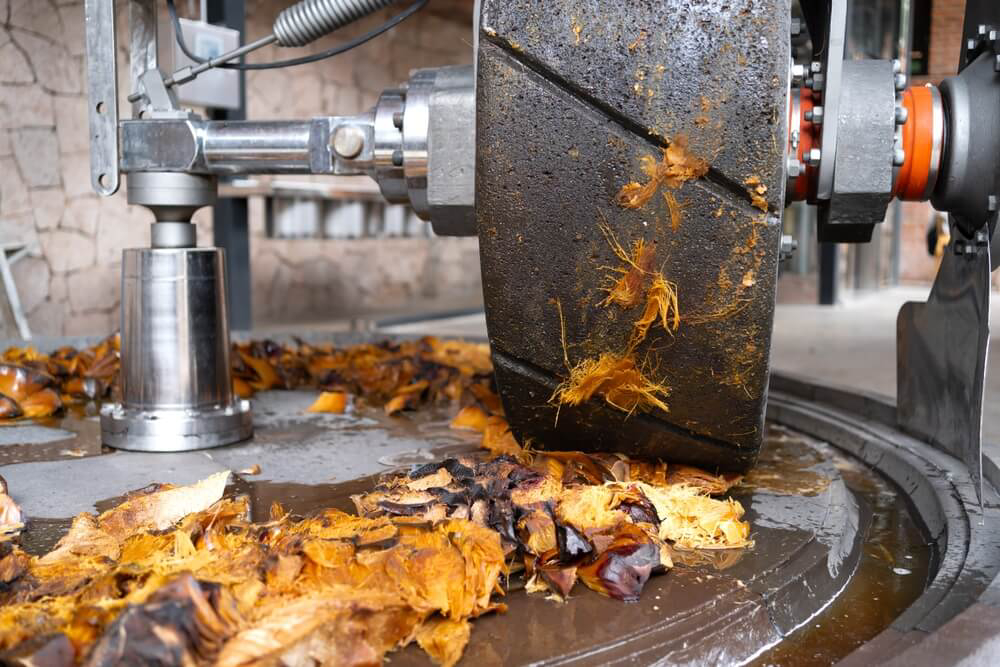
column 572, row 97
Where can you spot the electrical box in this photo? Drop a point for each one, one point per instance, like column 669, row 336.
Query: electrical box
column 216, row 88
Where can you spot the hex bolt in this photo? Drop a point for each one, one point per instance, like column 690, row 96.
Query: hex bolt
column 898, row 157
column 816, row 115
column 815, row 66
column 902, row 115
column 397, row 120
column 815, row 155
column 897, row 66
column 348, row 141
column 991, row 203
column 817, row 81
column 793, row 167
column 900, row 81
column 982, row 29
column 796, row 27
column 397, row 158
column 798, row 73
column 788, row 246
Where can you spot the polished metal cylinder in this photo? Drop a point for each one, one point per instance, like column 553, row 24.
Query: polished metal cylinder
column 272, row 147
column 176, row 387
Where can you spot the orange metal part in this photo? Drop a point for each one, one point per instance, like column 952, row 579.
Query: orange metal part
column 805, row 185
column 918, row 143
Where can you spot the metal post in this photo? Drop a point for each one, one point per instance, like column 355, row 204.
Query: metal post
column 230, row 224
column 904, row 45
column 827, row 274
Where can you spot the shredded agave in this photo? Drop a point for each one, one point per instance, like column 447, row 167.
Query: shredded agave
column 662, row 306
column 676, row 210
column 617, row 380
column 690, row 518
column 676, row 166
column 626, row 289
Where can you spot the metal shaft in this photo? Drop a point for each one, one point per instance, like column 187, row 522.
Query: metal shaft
column 258, row 147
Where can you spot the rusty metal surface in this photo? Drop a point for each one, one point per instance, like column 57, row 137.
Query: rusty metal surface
column 571, row 96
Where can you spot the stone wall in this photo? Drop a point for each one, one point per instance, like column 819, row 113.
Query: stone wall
column 70, row 283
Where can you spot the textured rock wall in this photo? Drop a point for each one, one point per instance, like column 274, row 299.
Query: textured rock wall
column 70, row 283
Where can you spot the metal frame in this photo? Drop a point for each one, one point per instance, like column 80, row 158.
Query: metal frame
column 17, row 251
column 102, row 85
column 230, row 216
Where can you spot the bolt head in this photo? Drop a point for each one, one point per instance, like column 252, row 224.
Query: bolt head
column 796, row 27
column 815, row 155
column 996, row 63
column 793, row 167
column 348, row 141
column 898, row 157
column 817, row 81
column 991, row 203
column 798, row 72
column 817, row 115
column 902, row 115
column 900, row 81
column 982, row 29
column 815, row 66
column 897, row 66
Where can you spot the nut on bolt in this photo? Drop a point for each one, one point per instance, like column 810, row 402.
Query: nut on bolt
column 815, row 115
column 793, row 167
column 815, row 155
column 788, row 246
column 348, row 141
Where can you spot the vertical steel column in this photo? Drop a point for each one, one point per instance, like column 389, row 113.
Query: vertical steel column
column 230, row 227
column 827, row 274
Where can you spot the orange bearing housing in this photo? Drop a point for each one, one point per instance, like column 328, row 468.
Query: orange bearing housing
column 921, row 142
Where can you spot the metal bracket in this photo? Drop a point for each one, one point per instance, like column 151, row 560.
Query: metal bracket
column 833, row 73
column 941, row 349
column 102, row 89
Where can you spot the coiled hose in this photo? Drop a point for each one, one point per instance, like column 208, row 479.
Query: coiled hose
column 308, row 20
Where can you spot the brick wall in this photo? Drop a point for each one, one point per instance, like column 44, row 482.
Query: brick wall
column 946, row 37
column 70, row 284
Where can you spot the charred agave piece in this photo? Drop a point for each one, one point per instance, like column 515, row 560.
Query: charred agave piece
column 185, row 622
column 54, row 650
column 454, row 467
column 572, row 545
column 560, row 577
column 623, row 568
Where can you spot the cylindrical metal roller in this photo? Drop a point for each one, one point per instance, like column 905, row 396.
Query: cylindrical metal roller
column 176, row 389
